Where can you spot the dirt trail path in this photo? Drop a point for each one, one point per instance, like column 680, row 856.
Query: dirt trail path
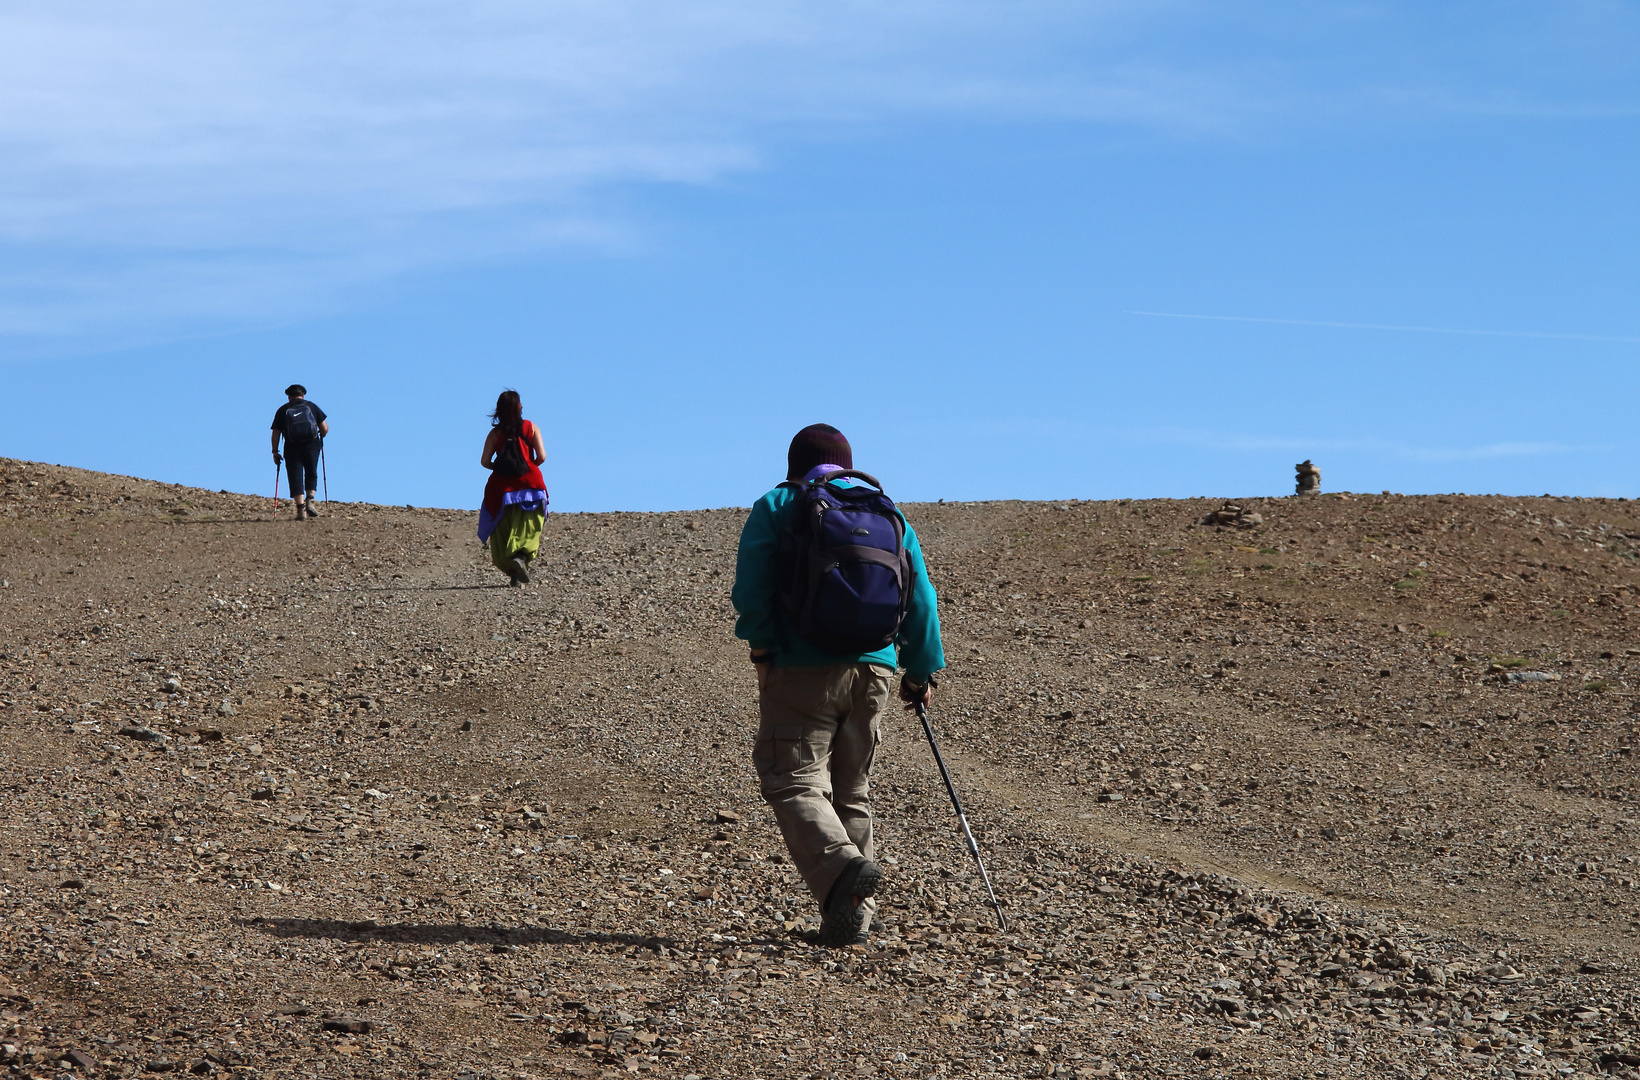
column 328, row 798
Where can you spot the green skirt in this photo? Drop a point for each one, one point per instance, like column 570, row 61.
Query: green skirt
column 516, row 535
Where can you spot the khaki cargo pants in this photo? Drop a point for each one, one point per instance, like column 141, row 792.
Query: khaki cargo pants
column 814, row 752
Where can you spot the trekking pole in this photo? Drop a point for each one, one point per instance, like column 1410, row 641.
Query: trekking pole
column 276, row 487
column 967, row 833
column 323, row 471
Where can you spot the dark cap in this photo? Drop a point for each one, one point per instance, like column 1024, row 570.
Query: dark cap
column 296, row 389
column 817, row 444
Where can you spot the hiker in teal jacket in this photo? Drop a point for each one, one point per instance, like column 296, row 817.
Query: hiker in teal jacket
column 918, row 650
column 818, row 732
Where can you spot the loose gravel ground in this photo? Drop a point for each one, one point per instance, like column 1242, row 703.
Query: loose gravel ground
column 1344, row 788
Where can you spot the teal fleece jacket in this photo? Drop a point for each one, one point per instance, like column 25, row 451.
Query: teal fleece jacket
column 760, row 623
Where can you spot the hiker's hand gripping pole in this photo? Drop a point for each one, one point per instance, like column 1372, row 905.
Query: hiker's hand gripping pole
column 962, row 818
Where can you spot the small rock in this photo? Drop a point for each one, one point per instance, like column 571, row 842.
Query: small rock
column 226, row 708
column 142, row 734
column 1589, row 967
column 173, row 685
column 72, row 883
column 160, row 1065
column 727, row 817
column 1205, row 1053
column 1232, row 515
column 466, row 725
column 262, row 793
column 347, row 1026
column 80, row 1059
column 1433, row 974
column 1532, row 676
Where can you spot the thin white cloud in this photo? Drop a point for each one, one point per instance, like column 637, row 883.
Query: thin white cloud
column 185, row 162
column 1388, row 326
column 1217, row 440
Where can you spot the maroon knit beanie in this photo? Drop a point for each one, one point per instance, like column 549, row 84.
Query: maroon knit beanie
column 817, row 444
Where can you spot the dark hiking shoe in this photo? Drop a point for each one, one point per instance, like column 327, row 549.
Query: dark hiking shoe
column 843, row 921
column 519, row 570
column 310, row 512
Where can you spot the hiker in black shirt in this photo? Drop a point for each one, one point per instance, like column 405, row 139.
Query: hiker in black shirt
column 302, row 423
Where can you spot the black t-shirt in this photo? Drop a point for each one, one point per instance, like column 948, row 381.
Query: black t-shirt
column 282, row 417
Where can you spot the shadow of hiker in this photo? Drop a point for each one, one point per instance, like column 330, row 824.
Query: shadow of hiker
column 266, row 520
column 432, row 588
column 447, row 933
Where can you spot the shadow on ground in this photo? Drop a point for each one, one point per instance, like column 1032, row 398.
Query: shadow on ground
column 447, row 933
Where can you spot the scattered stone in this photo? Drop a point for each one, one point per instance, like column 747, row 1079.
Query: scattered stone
column 347, row 1025
column 1531, row 676
column 142, row 734
column 1231, row 515
column 727, row 817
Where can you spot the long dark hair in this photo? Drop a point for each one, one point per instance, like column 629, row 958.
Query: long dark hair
column 509, row 414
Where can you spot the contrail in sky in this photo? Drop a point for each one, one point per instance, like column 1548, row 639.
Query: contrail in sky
column 1384, row 326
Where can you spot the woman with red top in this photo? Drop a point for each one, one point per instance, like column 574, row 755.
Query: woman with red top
column 515, row 499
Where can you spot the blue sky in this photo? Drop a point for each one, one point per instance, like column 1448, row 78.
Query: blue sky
column 684, row 231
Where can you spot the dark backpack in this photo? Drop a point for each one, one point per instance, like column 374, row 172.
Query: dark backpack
column 509, row 457
column 844, row 577
column 300, row 423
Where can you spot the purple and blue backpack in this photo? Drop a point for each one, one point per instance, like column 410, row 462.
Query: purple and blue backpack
column 844, row 575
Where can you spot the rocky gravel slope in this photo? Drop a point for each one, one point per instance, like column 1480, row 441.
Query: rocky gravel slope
column 1346, row 788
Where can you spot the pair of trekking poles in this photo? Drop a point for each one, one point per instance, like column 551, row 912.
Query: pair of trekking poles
column 324, row 471
column 962, row 818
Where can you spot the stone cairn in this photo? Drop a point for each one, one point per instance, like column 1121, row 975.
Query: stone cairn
column 1309, row 478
